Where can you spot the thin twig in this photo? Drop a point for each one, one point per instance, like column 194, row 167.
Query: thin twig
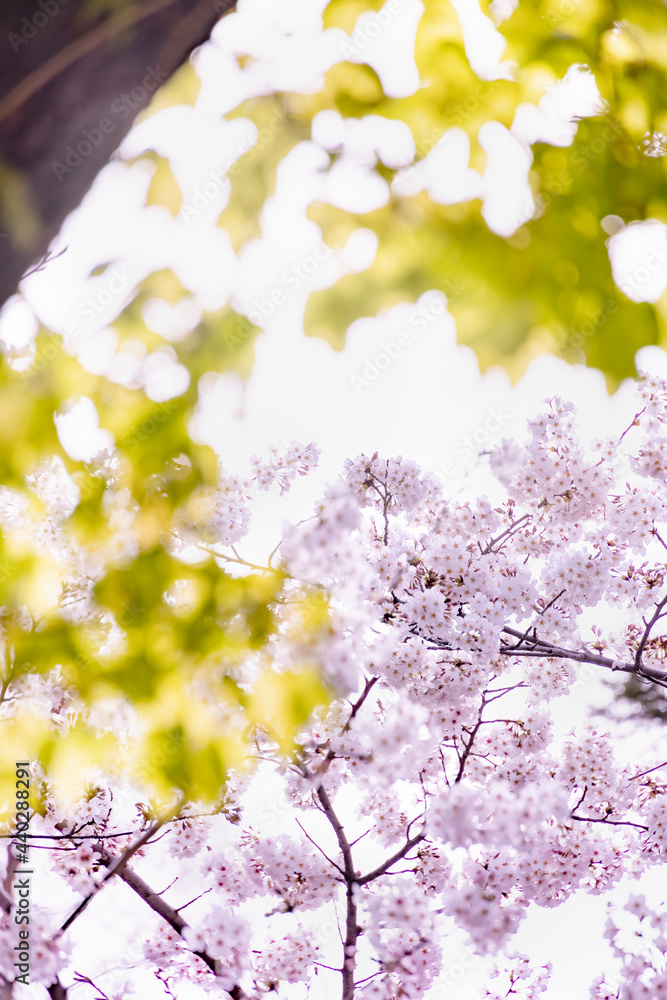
column 315, row 844
column 368, row 686
column 648, row 771
column 396, row 856
column 118, row 864
column 162, row 908
column 468, row 746
column 657, row 615
column 40, row 265
column 531, row 628
column 635, row 423
column 541, row 647
column 608, row 822
column 515, row 524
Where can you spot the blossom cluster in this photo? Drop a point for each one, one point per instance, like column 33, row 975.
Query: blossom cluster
column 439, row 790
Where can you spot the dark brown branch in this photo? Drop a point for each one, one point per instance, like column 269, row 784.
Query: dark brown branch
column 351, row 928
column 532, row 628
column 396, row 856
column 159, row 906
column 608, row 822
column 540, row 647
column 508, row 531
column 370, row 683
column 468, row 746
column 120, row 862
column 657, row 614
column 349, row 877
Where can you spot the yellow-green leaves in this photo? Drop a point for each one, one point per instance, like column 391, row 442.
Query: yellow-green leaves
column 549, row 285
column 282, row 702
column 97, row 609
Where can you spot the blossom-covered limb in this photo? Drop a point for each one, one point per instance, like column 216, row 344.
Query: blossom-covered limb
column 351, row 882
column 543, row 648
column 391, row 861
column 655, row 617
column 120, row 862
column 159, row 906
column 468, row 744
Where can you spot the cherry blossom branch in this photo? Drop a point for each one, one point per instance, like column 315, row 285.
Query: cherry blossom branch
column 499, row 538
column 396, row 856
column 159, row 906
column 541, row 647
column 468, row 746
column 648, row 771
column 368, row 686
column 501, row 692
column 73, row 835
column 350, row 876
column 532, row 628
column 234, row 559
column 317, row 846
column 385, row 505
column 634, row 423
column 43, row 261
column 656, row 533
column 608, row 822
column 56, row 990
column 120, row 862
column 384, row 495
column 657, row 615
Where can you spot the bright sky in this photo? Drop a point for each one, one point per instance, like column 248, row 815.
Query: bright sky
column 401, row 385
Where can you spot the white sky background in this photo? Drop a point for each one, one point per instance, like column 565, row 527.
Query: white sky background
column 427, row 403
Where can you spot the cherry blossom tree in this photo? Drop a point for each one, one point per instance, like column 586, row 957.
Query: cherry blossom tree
column 435, row 791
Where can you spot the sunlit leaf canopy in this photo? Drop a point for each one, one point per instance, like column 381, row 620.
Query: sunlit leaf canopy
column 544, row 282
column 540, row 282
column 97, row 606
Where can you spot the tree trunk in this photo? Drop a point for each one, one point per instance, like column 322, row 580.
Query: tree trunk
column 73, row 76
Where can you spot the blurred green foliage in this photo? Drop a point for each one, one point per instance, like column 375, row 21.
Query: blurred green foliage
column 548, row 287
column 162, row 634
